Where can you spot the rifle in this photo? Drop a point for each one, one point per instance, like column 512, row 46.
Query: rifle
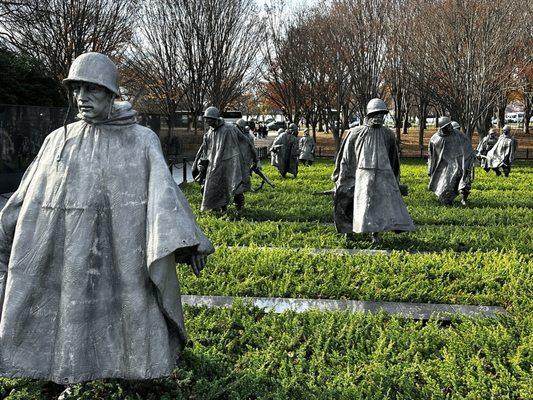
column 264, row 178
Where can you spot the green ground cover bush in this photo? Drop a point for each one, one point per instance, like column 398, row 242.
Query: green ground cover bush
column 478, row 255
column 490, row 278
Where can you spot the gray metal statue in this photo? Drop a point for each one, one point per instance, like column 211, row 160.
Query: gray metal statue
column 220, row 165
column 450, row 163
column 366, row 176
column 250, row 157
column 484, row 146
column 274, row 154
column 287, row 151
column 307, row 148
column 88, row 247
column 503, row 153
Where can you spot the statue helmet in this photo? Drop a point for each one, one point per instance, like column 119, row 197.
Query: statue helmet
column 506, row 128
column 241, row 123
column 456, row 125
column 293, row 127
column 306, row 130
column 212, row 112
column 444, row 121
column 94, row 68
column 376, row 106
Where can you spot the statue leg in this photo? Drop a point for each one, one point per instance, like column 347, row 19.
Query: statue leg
column 238, row 199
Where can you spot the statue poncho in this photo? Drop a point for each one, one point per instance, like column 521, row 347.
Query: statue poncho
column 367, row 193
column 450, row 161
column 87, row 248
column 503, row 153
column 249, row 157
column 226, row 173
column 287, row 151
column 483, row 148
column 307, row 148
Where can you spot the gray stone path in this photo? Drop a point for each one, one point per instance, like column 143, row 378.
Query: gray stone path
column 312, row 250
column 418, row 311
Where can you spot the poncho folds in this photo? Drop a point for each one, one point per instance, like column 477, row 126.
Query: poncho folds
column 484, row 146
column 450, row 161
column 87, row 247
column 503, row 153
column 227, row 173
column 366, row 176
column 287, row 150
column 307, row 148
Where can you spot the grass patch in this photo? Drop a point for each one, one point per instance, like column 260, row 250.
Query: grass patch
column 479, row 255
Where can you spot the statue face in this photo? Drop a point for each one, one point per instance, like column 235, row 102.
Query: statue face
column 212, row 122
column 93, row 101
column 448, row 128
column 376, row 119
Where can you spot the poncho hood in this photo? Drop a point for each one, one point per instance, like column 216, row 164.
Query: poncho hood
column 122, row 113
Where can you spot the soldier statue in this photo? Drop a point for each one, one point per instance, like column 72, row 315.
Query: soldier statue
column 220, row 166
column 307, row 149
column 287, row 151
column 366, row 176
column 450, row 163
column 89, row 243
column 484, row 146
column 503, row 153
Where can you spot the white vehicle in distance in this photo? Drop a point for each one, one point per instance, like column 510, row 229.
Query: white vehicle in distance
column 515, row 117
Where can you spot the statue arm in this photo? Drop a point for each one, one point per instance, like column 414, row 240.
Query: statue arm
column 431, row 157
column 8, row 220
column 394, row 155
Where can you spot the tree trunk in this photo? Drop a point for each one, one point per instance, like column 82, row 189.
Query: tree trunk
column 527, row 112
column 406, row 119
column 501, row 116
column 422, row 112
column 397, row 115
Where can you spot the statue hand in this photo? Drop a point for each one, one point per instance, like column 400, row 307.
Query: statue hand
column 198, row 262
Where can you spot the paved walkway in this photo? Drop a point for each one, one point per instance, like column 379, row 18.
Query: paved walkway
column 418, row 311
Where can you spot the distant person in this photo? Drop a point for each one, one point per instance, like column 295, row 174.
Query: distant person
column 484, row 146
column 503, row 153
column 307, row 149
column 366, row 176
column 286, row 147
column 219, row 165
column 450, row 162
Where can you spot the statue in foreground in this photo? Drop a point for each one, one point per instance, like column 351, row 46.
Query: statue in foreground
column 503, row 153
column 88, row 247
column 366, row 176
column 450, row 162
column 220, row 166
column 287, row 151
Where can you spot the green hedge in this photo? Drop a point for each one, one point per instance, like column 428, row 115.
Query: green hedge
column 243, row 353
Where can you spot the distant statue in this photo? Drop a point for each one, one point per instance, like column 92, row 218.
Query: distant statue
column 450, row 162
column 366, row 176
column 503, row 153
column 307, row 149
column 274, row 152
column 484, row 146
column 219, row 165
column 89, row 244
column 287, row 151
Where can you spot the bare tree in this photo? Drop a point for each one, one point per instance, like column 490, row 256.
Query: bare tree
column 471, row 55
column 57, row 31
